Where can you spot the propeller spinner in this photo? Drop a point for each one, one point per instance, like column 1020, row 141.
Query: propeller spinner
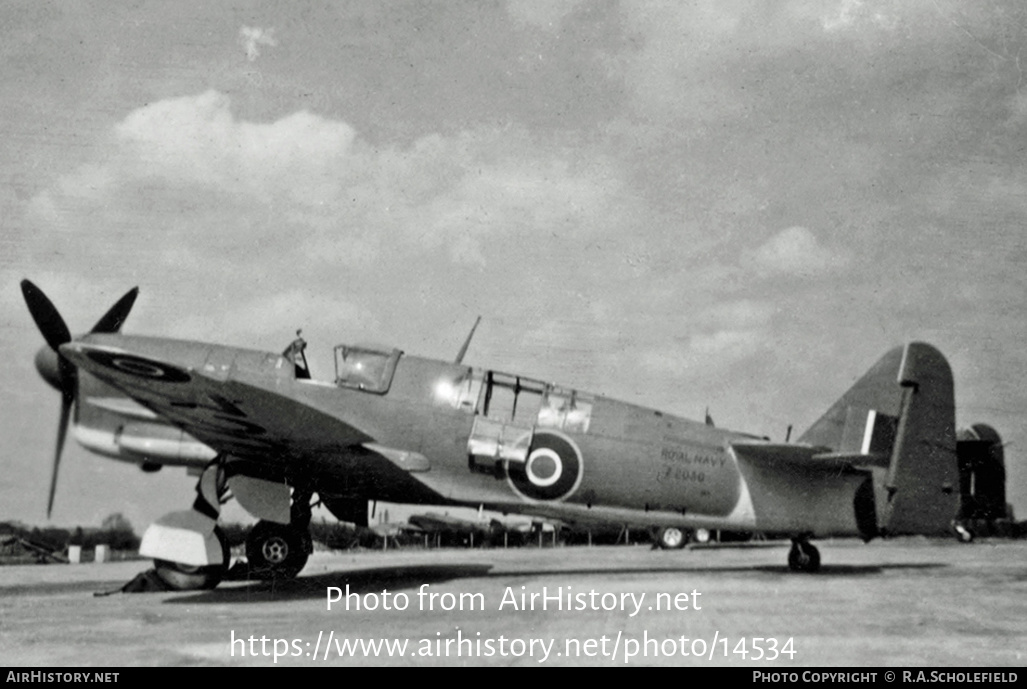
column 57, row 370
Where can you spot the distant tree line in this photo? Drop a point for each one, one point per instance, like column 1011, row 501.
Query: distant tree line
column 115, row 531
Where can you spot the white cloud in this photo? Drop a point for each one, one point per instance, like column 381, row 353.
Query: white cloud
column 546, row 14
column 251, row 37
column 307, row 186
column 739, row 59
column 844, row 15
column 724, row 346
column 795, row 251
column 716, row 339
column 743, row 313
column 273, row 313
column 705, row 355
column 197, row 139
column 514, row 197
column 850, row 13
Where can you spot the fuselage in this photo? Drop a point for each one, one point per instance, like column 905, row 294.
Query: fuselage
column 408, row 429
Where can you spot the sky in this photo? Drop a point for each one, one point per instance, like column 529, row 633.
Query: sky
column 734, row 205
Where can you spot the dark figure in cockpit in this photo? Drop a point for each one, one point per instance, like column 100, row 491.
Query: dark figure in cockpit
column 294, row 353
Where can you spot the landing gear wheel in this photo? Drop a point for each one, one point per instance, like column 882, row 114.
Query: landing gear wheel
column 702, row 535
column 671, row 538
column 180, row 577
column 803, row 557
column 277, row 551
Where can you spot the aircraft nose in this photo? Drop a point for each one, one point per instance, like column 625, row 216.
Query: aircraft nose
column 49, row 366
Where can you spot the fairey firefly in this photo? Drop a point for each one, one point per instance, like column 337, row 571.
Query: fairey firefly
column 265, row 429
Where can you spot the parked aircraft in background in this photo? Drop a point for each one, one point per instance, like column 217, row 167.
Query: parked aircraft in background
column 265, row 429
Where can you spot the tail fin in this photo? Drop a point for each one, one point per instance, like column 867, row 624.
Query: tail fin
column 902, row 412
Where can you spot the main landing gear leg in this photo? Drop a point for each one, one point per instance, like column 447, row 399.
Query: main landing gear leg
column 189, row 551
column 279, row 551
column 803, row 557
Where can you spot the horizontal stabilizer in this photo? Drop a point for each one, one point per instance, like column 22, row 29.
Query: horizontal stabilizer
column 855, row 460
column 804, row 456
column 801, row 489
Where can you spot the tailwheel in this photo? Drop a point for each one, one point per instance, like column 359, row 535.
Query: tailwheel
column 671, row 538
column 803, row 557
column 277, row 551
column 963, row 534
column 182, row 577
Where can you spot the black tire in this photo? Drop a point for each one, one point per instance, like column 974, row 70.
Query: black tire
column 180, row 577
column 803, row 557
column 277, row 551
column 671, row 538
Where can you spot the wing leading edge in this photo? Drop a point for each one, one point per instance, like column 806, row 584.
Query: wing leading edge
column 245, row 416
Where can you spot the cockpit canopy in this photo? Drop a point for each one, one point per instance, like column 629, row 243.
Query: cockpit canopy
column 365, row 368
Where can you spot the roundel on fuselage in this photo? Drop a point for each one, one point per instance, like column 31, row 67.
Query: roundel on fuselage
column 552, row 469
column 139, row 367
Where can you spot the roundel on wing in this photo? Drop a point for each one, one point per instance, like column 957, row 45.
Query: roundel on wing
column 140, row 367
column 551, row 471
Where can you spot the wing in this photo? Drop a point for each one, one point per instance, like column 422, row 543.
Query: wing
column 245, row 418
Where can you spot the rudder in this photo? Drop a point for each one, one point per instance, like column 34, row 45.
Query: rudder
column 923, row 475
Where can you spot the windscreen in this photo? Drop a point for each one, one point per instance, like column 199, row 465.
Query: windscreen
column 364, row 368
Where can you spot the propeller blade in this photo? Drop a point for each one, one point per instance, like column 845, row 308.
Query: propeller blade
column 55, row 332
column 112, row 320
column 62, row 432
column 47, row 319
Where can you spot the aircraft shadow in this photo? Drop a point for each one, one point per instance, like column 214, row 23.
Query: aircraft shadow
column 360, row 581
column 411, row 577
column 55, row 588
column 846, row 570
column 825, row 570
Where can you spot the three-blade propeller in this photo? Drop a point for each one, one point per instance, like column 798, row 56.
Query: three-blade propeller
column 54, row 367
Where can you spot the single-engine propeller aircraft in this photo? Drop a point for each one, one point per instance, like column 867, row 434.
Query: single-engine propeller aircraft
column 264, row 429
